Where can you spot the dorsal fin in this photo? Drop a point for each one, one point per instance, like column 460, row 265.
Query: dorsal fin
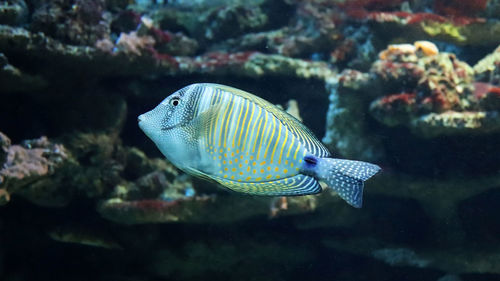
column 299, row 130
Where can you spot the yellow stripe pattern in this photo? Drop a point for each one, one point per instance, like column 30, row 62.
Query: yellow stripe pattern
column 249, row 147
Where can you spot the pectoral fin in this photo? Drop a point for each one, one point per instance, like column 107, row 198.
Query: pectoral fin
column 203, row 123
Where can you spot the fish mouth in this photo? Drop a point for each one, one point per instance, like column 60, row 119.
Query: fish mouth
column 140, row 121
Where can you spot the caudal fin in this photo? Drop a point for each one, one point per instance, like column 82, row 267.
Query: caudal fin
column 346, row 177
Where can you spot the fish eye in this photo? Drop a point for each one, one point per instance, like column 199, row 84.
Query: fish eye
column 175, row 101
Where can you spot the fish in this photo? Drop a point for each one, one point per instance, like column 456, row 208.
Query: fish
column 245, row 143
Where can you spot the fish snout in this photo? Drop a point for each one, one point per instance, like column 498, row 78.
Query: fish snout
column 141, row 121
column 140, row 118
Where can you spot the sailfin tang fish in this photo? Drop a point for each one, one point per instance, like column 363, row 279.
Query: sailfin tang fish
column 248, row 145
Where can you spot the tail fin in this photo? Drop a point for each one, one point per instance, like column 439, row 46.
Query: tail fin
column 346, row 177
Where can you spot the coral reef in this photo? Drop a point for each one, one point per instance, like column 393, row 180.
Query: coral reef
column 444, row 100
column 313, row 32
column 433, row 94
column 439, row 82
column 459, row 8
column 150, row 211
column 346, row 129
column 452, row 21
column 75, row 22
column 33, row 170
column 457, row 123
column 231, row 21
column 13, row 12
column 488, row 69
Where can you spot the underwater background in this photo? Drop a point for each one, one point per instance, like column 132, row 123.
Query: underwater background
column 413, row 86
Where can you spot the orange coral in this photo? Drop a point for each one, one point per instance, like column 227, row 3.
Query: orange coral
column 397, row 48
column 426, row 47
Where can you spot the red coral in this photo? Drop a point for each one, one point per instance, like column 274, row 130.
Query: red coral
column 441, row 101
column 488, row 95
column 222, row 59
column 460, row 8
column 403, row 99
column 161, row 36
column 160, row 57
column 409, row 18
column 395, row 108
column 394, row 71
column 456, row 11
column 494, row 91
column 415, row 18
column 420, row 17
column 481, row 89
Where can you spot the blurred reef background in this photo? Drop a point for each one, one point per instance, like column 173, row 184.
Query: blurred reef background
column 413, row 86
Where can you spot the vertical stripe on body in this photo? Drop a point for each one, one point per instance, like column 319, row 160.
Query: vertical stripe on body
column 246, row 143
column 254, row 135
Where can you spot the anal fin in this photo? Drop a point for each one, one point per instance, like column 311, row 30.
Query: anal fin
column 291, row 186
